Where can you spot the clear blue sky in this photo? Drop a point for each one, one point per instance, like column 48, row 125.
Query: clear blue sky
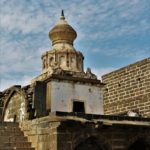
column 111, row 34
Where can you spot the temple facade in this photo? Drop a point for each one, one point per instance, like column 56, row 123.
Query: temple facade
column 63, row 85
column 67, row 108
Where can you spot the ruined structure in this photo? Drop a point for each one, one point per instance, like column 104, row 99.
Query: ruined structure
column 62, row 109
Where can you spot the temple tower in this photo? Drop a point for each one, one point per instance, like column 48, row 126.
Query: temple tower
column 62, row 54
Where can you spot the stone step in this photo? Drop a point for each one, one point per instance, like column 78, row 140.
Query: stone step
column 12, row 138
column 9, row 128
column 4, row 139
column 13, row 133
column 9, row 124
column 18, row 144
column 15, row 148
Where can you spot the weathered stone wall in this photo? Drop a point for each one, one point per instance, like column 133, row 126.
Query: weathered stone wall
column 40, row 99
column 16, row 103
column 41, row 133
column 79, row 136
column 15, row 109
column 128, row 89
column 50, row 133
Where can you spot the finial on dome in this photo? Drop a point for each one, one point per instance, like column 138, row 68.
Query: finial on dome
column 62, row 15
column 62, row 12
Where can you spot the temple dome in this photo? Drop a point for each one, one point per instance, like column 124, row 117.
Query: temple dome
column 62, row 32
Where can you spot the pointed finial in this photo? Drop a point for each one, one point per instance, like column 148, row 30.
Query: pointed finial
column 62, row 12
column 62, row 15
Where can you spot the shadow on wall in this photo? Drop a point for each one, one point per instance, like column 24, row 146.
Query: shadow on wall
column 140, row 144
column 91, row 143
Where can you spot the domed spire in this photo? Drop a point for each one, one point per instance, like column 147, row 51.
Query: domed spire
column 62, row 54
column 62, row 32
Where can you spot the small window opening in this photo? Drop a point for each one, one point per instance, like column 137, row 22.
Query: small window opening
column 14, row 119
column 51, row 61
column 78, row 107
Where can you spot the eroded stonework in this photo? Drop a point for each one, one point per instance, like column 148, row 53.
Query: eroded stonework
column 15, row 108
column 79, row 133
column 62, row 54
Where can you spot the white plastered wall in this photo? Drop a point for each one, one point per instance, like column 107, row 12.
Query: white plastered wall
column 64, row 93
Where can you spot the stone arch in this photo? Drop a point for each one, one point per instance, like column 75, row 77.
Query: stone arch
column 140, row 143
column 10, row 100
column 92, row 142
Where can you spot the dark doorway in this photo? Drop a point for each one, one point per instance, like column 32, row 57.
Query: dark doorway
column 15, row 117
column 89, row 144
column 140, row 144
column 78, row 107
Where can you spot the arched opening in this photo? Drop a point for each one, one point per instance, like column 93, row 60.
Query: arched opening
column 15, row 109
column 51, row 61
column 44, row 64
column 140, row 144
column 62, row 61
column 73, row 62
column 92, row 143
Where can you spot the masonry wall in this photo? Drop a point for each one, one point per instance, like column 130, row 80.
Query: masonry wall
column 42, row 133
column 15, row 109
column 50, row 133
column 75, row 135
column 128, row 89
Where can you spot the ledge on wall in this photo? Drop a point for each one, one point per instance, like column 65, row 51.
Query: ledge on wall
column 110, row 119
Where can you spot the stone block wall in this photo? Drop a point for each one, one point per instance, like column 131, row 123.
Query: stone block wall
column 128, row 89
column 41, row 133
column 56, row 133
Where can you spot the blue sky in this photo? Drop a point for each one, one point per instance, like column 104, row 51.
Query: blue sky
column 111, row 34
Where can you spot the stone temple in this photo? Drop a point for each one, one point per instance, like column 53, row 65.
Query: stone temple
column 67, row 108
